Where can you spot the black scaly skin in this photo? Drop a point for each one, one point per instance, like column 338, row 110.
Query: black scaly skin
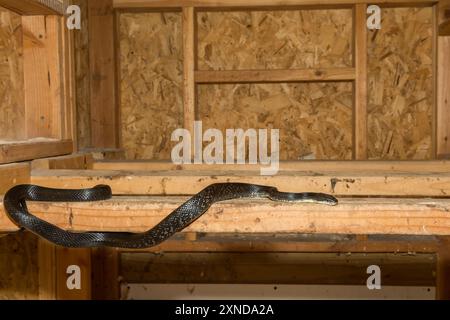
column 15, row 205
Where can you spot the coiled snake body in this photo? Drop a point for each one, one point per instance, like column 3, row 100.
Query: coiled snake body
column 16, row 207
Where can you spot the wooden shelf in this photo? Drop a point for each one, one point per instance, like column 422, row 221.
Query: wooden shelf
column 351, row 216
column 35, row 7
column 425, row 184
column 29, row 150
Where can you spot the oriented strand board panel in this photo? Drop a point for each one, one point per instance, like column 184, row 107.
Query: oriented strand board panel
column 314, row 119
column 19, row 267
column 290, row 39
column 151, row 59
column 400, row 81
column 12, row 112
column 81, row 39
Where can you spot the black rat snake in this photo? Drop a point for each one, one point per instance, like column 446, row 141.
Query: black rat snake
column 16, row 207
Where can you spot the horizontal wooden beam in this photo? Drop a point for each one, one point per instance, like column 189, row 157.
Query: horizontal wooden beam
column 29, row 150
column 188, row 182
column 280, row 268
column 307, row 166
column 78, row 161
column 294, row 75
column 35, row 7
column 217, row 242
column 254, row 3
column 351, row 216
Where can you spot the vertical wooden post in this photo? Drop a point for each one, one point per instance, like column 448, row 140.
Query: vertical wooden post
column 189, row 67
column 105, row 274
column 443, row 270
column 104, row 107
column 47, row 270
column 43, row 76
column 77, row 258
column 360, row 84
column 443, row 89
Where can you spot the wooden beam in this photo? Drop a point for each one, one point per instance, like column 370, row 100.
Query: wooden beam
column 402, row 216
column 360, row 84
column 188, row 182
column 78, row 258
column 306, row 166
column 79, row 161
column 47, row 270
column 295, row 243
column 277, row 268
column 105, row 274
column 443, row 270
column 189, row 58
column 13, row 174
column 35, row 7
column 104, row 105
column 255, row 3
column 21, row 151
column 299, row 75
column 43, row 81
column 443, row 96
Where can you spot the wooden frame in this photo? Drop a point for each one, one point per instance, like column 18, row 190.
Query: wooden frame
column 48, row 89
column 357, row 74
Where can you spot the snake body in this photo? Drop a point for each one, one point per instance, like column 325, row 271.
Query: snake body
column 16, row 207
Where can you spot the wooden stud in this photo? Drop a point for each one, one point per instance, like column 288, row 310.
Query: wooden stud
column 44, row 88
column 105, row 274
column 65, row 276
column 443, row 97
column 104, row 111
column 47, row 270
column 299, row 75
column 189, row 67
column 360, row 84
column 369, row 216
column 443, row 270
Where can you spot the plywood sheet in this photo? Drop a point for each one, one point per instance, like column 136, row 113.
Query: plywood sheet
column 151, row 58
column 274, row 39
column 314, row 119
column 12, row 111
column 400, row 85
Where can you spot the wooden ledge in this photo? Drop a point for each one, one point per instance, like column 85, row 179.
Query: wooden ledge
column 388, row 184
column 35, row 7
column 33, row 149
column 351, row 216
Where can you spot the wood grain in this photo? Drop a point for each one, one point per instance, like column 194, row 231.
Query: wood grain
column 351, row 216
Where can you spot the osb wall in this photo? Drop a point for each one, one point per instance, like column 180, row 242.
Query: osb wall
column 151, row 59
column 314, row 119
column 81, row 39
column 19, row 267
column 400, row 85
column 12, row 112
column 274, row 39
